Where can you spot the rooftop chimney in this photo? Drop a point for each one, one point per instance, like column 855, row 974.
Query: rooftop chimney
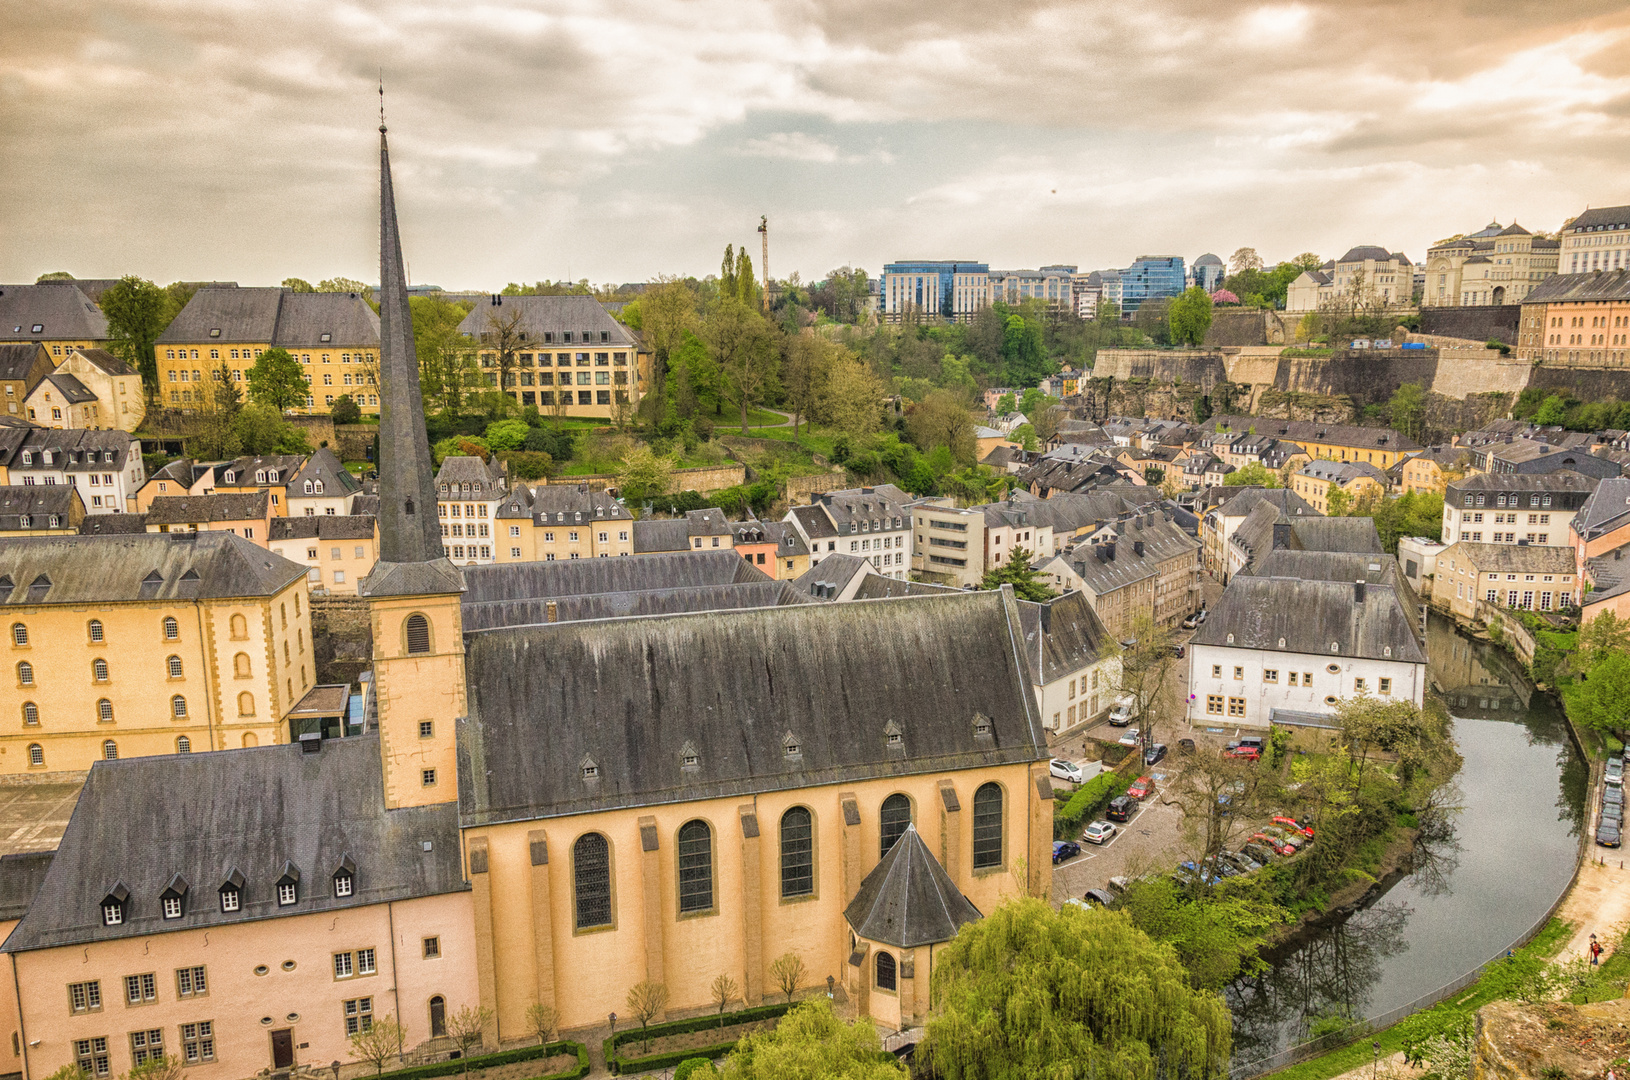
column 1281, row 535
column 1137, row 548
column 1109, row 551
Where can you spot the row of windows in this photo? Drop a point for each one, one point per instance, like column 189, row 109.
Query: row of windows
column 1500, row 500
column 104, row 712
column 97, row 634
column 560, row 359
column 110, row 750
column 591, row 855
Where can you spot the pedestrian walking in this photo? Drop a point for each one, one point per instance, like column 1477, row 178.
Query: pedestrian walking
column 1595, row 951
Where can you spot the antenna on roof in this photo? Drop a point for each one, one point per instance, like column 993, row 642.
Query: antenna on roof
column 381, row 99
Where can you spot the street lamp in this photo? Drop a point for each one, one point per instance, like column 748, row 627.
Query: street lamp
column 1376, row 1070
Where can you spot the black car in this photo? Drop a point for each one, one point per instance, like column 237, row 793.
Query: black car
column 1241, row 860
column 1185, row 746
column 1065, row 849
column 1258, row 852
column 1153, row 755
column 1607, row 834
column 1121, row 808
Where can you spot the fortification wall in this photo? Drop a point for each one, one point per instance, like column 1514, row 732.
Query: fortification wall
column 1245, row 327
column 1366, row 376
column 1203, row 367
column 1464, row 372
column 704, row 479
column 1496, row 321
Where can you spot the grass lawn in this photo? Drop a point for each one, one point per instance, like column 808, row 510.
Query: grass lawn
column 816, row 439
column 1355, row 1054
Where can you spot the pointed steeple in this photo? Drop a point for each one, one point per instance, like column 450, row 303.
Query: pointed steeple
column 408, row 530
column 409, row 533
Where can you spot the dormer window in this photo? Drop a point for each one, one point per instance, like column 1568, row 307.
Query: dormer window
column 115, row 905
column 272, row 475
column 173, row 898
column 288, row 886
column 28, row 457
column 318, row 484
column 689, row 759
column 260, row 476
column 981, row 726
column 345, row 877
column 232, row 892
column 589, row 769
column 229, row 477
column 308, row 487
column 789, row 746
column 892, row 736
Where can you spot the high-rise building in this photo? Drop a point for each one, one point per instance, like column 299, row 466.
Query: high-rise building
column 1208, row 272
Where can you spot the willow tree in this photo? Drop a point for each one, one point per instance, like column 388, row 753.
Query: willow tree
column 1029, row 992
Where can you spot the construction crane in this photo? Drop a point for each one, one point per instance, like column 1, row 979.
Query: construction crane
column 764, row 235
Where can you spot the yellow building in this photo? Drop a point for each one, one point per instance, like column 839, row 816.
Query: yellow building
column 249, row 516
column 115, row 386
column 1360, row 480
column 1434, row 469
column 338, row 551
column 124, row 646
column 334, row 337
column 40, row 511
column 559, row 522
column 22, row 365
column 55, row 314
column 1495, row 265
column 1578, row 320
column 1381, row 447
column 538, row 345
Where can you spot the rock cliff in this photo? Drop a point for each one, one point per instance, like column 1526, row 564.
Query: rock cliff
column 1521, row 1042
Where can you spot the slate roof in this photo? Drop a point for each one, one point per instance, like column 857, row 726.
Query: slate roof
column 106, row 362
column 324, row 527
column 246, row 470
column 1062, row 636
column 1582, row 288
column 555, row 316
column 836, row 678
column 1163, row 541
column 908, row 899
column 662, row 535
column 1343, row 472
column 69, row 386
column 878, row 587
column 281, row 317
column 1367, row 251
column 438, row 577
column 817, row 526
column 1353, row 435
column 113, row 525
column 1070, row 475
column 827, row 579
column 877, row 506
column 17, row 359
column 39, row 502
column 1512, row 558
column 1601, row 215
column 183, row 509
column 148, row 567
column 21, row 874
column 137, row 824
column 75, row 450
column 1562, row 480
column 324, row 466
column 1342, row 566
column 486, row 479
column 1609, row 575
column 585, row 577
column 1246, row 499
column 1607, row 508
column 533, row 611
column 58, row 308
column 571, row 499
column 1260, row 612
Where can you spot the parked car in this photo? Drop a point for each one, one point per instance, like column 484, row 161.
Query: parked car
column 1185, row 746
column 1065, row 770
column 1255, row 742
column 1141, row 788
column 1274, row 844
column 1262, row 853
column 1065, row 849
column 1200, row 617
column 1121, row 808
column 1191, row 622
column 1615, row 771
column 1613, row 812
column 1179, row 651
column 1118, row 885
column 1153, row 755
column 1242, row 860
column 1292, row 823
column 1099, row 832
column 1607, row 834
column 1098, row 897
column 1120, row 714
column 1613, row 794
column 1130, row 738
column 1241, row 750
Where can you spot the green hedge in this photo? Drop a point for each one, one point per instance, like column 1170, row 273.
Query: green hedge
column 619, row 1064
column 1087, row 800
column 455, row 1066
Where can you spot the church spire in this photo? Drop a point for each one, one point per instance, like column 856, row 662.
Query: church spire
column 408, row 529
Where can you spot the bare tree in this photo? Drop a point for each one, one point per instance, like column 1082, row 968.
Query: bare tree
column 647, row 1000
column 788, row 973
column 1243, row 259
column 468, row 1027
column 1146, row 661
column 379, row 1042
column 503, row 338
column 724, row 992
column 1220, row 797
column 159, row 1068
column 542, row 1020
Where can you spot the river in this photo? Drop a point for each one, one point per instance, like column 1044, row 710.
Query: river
column 1513, row 848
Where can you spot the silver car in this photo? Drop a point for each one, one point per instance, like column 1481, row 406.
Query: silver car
column 1615, row 771
column 1099, row 832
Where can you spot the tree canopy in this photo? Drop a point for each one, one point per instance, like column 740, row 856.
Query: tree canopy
column 1017, row 572
column 812, row 1043
column 138, row 311
column 1190, row 317
column 1031, row 992
column 1255, row 474
column 278, row 380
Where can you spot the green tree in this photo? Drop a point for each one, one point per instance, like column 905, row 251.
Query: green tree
column 852, row 398
column 138, row 311
column 298, row 284
column 1023, row 353
column 445, row 359
column 788, row 973
column 1338, row 502
column 1605, row 635
column 542, row 1020
column 261, row 429
column 941, row 419
column 742, row 346
column 812, row 1043
column 507, row 434
column 1407, row 407
column 1018, row 572
column 1032, row 992
column 1553, row 410
column 1025, row 436
column 1190, row 317
column 344, row 410
column 1006, row 404
column 1255, row 474
column 343, row 284
column 1603, row 700
column 644, row 474
column 278, row 380
column 1215, row 937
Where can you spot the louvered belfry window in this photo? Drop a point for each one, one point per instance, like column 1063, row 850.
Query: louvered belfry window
column 418, row 634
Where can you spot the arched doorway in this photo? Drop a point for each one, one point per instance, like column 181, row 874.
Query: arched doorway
column 438, row 1017
column 1499, row 294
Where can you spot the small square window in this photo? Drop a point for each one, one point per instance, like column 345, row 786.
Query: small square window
column 427, row 777
column 287, row 893
column 427, row 729
column 432, row 948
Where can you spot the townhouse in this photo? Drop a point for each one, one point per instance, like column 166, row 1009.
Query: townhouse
column 1529, row 577
column 1144, row 566
column 1508, row 508
column 23, row 364
column 106, row 466
column 873, row 523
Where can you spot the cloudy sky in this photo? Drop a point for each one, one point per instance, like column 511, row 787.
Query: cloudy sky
column 620, row 139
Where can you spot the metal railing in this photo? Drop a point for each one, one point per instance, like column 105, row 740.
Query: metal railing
column 1360, row 1028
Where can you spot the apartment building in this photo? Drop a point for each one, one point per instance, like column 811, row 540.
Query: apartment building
column 561, row 522
column 1074, row 663
column 1365, row 274
column 1381, row 447
column 23, row 364
column 1579, row 319
column 873, row 523
column 1143, row 566
column 1532, row 509
column 564, row 354
column 106, row 466
column 54, row 314
column 952, row 291
column 1524, row 576
column 1358, row 479
column 469, row 491
column 337, row 551
column 40, row 511
column 1597, row 239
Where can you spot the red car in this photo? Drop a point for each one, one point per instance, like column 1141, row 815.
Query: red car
column 1279, row 846
column 1246, row 751
column 1141, row 788
column 1291, row 823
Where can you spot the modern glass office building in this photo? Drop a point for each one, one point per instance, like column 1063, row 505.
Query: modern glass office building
column 1150, row 278
column 950, row 290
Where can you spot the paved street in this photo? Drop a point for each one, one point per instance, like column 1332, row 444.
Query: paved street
column 33, row 816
